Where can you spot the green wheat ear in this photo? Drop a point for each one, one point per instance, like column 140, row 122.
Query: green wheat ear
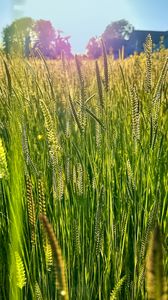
column 51, row 134
column 38, row 294
column 20, row 271
column 99, row 84
column 105, row 62
column 99, row 223
column 82, row 116
column 135, row 113
column 31, row 209
column 48, row 254
column 155, row 280
column 41, row 196
column 58, row 259
column 117, row 288
column 148, row 53
column 3, row 162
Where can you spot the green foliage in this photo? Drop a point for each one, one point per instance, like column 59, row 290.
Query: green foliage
column 14, row 36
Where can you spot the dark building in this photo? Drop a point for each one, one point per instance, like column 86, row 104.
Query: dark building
column 136, row 42
column 138, row 37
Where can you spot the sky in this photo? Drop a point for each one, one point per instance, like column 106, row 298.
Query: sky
column 83, row 19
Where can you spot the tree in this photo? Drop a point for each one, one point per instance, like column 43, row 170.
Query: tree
column 15, row 35
column 7, row 39
column 118, row 30
column 94, row 48
column 50, row 42
column 24, row 35
column 45, row 37
column 116, row 35
column 62, row 44
column 27, row 47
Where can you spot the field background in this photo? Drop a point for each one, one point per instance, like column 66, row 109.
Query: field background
column 85, row 144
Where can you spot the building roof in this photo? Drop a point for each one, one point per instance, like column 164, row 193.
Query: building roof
column 141, row 35
column 136, row 41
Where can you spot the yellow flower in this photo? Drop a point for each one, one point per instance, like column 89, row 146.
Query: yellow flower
column 40, row 137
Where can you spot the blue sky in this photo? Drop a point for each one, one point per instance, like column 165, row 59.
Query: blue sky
column 87, row 18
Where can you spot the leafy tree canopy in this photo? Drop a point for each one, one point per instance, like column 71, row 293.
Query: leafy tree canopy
column 25, row 35
column 94, row 48
column 114, row 36
column 15, row 34
column 118, row 30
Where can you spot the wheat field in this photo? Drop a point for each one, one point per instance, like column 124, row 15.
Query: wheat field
column 83, row 178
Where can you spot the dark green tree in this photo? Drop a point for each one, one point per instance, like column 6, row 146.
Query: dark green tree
column 15, row 35
column 27, row 49
column 7, row 39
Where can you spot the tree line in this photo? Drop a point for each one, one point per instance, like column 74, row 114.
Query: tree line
column 27, row 37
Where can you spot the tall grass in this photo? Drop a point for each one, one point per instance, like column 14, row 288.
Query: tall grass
column 87, row 148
